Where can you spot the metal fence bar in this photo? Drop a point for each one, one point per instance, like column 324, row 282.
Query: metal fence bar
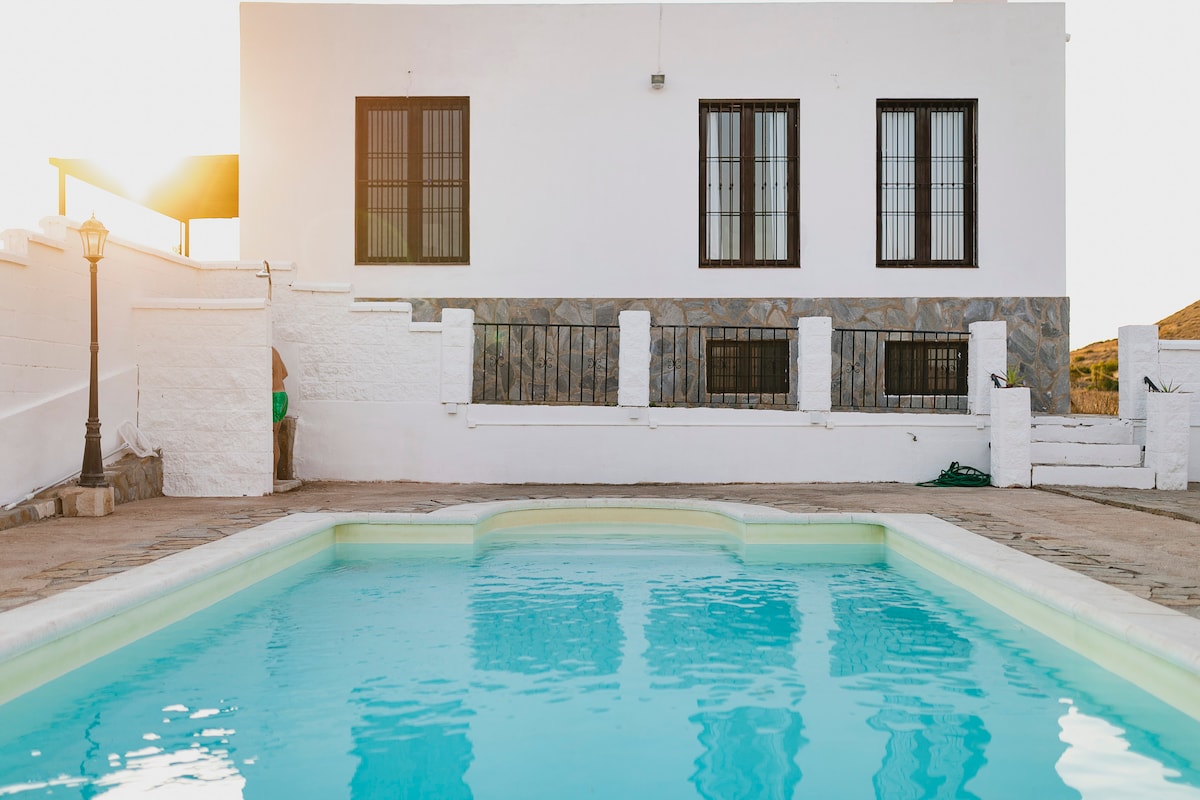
column 899, row 369
column 723, row 366
column 554, row 364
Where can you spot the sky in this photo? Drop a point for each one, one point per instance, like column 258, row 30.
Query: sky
column 135, row 83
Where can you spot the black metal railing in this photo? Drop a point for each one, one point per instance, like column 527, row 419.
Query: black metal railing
column 725, row 366
column 894, row 369
column 549, row 364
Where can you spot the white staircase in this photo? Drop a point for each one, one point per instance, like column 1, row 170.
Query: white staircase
column 1088, row 450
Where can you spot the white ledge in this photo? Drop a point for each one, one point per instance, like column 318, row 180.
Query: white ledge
column 337, row 288
column 205, row 304
column 394, row 306
column 246, row 266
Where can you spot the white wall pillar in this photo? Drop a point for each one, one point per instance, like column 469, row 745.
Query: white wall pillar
column 814, row 363
column 458, row 354
column 1168, row 432
column 1011, row 419
column 1137, row 358
column 204, row 393
column 633, row 376
column 987, row 353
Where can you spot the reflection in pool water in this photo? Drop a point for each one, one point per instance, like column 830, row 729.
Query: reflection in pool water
column 632, row 667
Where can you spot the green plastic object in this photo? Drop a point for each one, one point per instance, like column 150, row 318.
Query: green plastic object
column 958, row 475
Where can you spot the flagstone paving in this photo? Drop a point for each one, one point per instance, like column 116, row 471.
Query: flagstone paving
column 1147, row 543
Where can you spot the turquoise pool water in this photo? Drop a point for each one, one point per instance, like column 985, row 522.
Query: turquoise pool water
column 628, row 666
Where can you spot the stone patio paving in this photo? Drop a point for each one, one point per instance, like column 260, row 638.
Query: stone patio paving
column 1147, row 543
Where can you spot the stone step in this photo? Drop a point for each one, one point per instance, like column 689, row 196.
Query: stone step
column 1115, row 477
column 1096, row 430
column 1086, row 454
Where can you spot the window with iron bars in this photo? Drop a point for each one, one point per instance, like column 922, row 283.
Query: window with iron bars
column 925, row 368
column 747, row 367
column 411, row 190
column 749, row 183
column 925, row 166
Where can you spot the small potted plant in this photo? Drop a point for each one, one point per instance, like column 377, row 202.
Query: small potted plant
column 1010, row 440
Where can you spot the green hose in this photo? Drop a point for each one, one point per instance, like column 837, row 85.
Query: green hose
column 958, row 475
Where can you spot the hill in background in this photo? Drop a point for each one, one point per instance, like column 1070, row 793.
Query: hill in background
column 1094, row 366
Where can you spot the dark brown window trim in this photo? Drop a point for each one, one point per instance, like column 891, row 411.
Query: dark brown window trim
column 757, row 366
column 415, row 180
column 746, row 183
column 925, row 368
column 922, row 257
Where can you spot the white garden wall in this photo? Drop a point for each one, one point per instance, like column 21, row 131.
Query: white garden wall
column 370, row 392
column 204, row 393
column 583, row 178
column 1173, row 364
column 45, row 337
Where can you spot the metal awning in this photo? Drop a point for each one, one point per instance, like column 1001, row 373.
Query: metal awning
column 196, row 187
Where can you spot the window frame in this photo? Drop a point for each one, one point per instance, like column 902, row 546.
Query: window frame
column 747, row 366
column 922, row 199
column 414, row 181
column 746, row 165
column 909, row 368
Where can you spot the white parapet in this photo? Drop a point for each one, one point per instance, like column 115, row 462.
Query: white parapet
column 1011, row 420
column 814, row 363
column 1168, row 431
column 458, row 354
column 987, row 353
column 634, row 367
column 1137, row 358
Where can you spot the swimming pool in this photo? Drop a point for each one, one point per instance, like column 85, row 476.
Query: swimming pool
column 505, row 667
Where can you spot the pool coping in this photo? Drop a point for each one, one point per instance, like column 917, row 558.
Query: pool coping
column 49, row 637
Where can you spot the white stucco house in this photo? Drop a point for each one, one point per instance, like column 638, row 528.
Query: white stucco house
column 605, row 243
column 895, row 168
column 889, row 165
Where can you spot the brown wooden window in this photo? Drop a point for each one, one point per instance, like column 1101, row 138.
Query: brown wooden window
column 925, row 192
column 411, row 188
column 749, row 183
column 925, row 368
column 749, row 367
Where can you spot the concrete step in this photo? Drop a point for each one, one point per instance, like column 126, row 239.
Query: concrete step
column 1115, row 477
column 1086, row 454
column 1089, row 429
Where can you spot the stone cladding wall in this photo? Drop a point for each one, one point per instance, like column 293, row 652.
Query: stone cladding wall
column 1038, row 346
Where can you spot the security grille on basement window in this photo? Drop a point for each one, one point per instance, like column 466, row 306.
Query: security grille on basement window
column 925, row 368
column 926, row 183
column 751, row 367
column 749, row 183
column 411, row 180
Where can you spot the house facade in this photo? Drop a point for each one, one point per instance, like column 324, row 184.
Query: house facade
column 889, row 166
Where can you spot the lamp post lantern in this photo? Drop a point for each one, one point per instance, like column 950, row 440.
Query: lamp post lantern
column 94, row 235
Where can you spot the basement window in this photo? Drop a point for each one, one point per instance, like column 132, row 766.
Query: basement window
column 753, row 367
column 925, row 368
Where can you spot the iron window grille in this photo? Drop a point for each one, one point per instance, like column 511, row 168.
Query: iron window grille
column 925, row 187
column 718, row 366
column 747, row 367
column 898, row 369
column 925, row 368
column 412, row 190
column 749, row 183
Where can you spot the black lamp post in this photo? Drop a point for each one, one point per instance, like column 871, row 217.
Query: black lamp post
column 93, row 234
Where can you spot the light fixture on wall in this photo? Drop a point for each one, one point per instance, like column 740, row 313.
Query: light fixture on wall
column 94, row 235
column 658, row 80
